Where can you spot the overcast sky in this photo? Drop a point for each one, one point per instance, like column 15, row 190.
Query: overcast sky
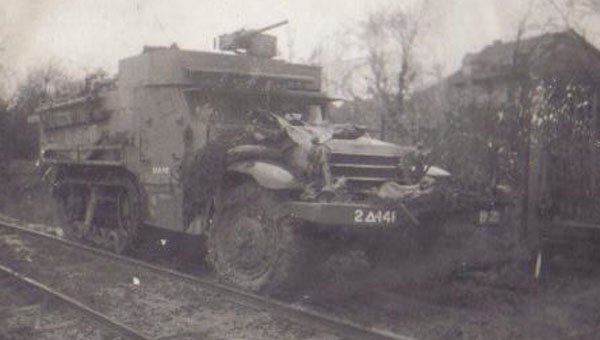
column 88, row 34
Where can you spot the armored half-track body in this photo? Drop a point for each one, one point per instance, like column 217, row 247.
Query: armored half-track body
column 235, row 148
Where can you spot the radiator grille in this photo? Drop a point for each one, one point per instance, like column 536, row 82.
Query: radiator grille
column 363, row 172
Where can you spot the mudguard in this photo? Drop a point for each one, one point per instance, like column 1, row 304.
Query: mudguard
column 270, row 176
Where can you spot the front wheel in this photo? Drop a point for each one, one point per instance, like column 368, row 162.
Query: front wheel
column 251, row 246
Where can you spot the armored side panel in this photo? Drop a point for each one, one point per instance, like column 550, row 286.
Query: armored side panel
column 171, row 96
column 80, row 121
column 89, row 129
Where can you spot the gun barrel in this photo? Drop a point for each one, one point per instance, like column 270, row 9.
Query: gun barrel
column 255, row 43
column 270, row 27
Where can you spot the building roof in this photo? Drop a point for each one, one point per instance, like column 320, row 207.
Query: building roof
column 556, row 55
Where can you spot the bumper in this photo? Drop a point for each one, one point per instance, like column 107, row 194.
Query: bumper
column 345, row 214
column 369, row 215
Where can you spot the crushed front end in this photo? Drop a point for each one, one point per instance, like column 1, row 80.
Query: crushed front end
column 350, row 179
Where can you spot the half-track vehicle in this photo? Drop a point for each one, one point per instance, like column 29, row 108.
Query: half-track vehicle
column 235, row 149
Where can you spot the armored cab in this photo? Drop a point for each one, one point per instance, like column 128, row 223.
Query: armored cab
column 235, row 148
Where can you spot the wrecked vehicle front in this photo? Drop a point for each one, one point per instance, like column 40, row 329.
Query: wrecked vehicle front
column 341, row 176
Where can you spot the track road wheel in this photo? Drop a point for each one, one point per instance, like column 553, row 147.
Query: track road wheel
column 70, row 205
column 112, row 226
column 125, row 233
column 251, row 247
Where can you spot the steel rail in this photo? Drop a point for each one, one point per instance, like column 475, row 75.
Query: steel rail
column 97, row 316
column 345, row 329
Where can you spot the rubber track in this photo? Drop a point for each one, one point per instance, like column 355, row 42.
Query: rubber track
column 312, row 319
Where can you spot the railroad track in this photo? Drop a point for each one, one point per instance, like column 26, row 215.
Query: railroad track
column 315, row 320
column 95, row 315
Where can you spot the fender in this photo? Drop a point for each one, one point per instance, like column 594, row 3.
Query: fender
column 268, row 175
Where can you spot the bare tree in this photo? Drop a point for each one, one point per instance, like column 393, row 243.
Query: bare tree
column 375, row 37
column 577, row 7
column 592, row 5
column 405, row 30
column 389, row 37
column 42, row 84
column 4, row 71
column 576, row 15
column 4, row 128
column 343, row 64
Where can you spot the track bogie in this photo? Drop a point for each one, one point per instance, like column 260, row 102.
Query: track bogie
column 103, row 212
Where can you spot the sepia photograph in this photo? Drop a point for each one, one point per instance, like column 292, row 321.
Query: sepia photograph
column 300, row 169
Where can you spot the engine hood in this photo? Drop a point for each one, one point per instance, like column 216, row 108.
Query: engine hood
column 308, row 136
column 368, row 146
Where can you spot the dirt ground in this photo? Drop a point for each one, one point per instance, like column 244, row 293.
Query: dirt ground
column 496, row 301
column 476, row 284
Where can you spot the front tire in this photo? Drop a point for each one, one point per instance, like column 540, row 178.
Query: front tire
column 251, row 246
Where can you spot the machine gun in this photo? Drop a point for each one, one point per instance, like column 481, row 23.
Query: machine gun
column 251, row 42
